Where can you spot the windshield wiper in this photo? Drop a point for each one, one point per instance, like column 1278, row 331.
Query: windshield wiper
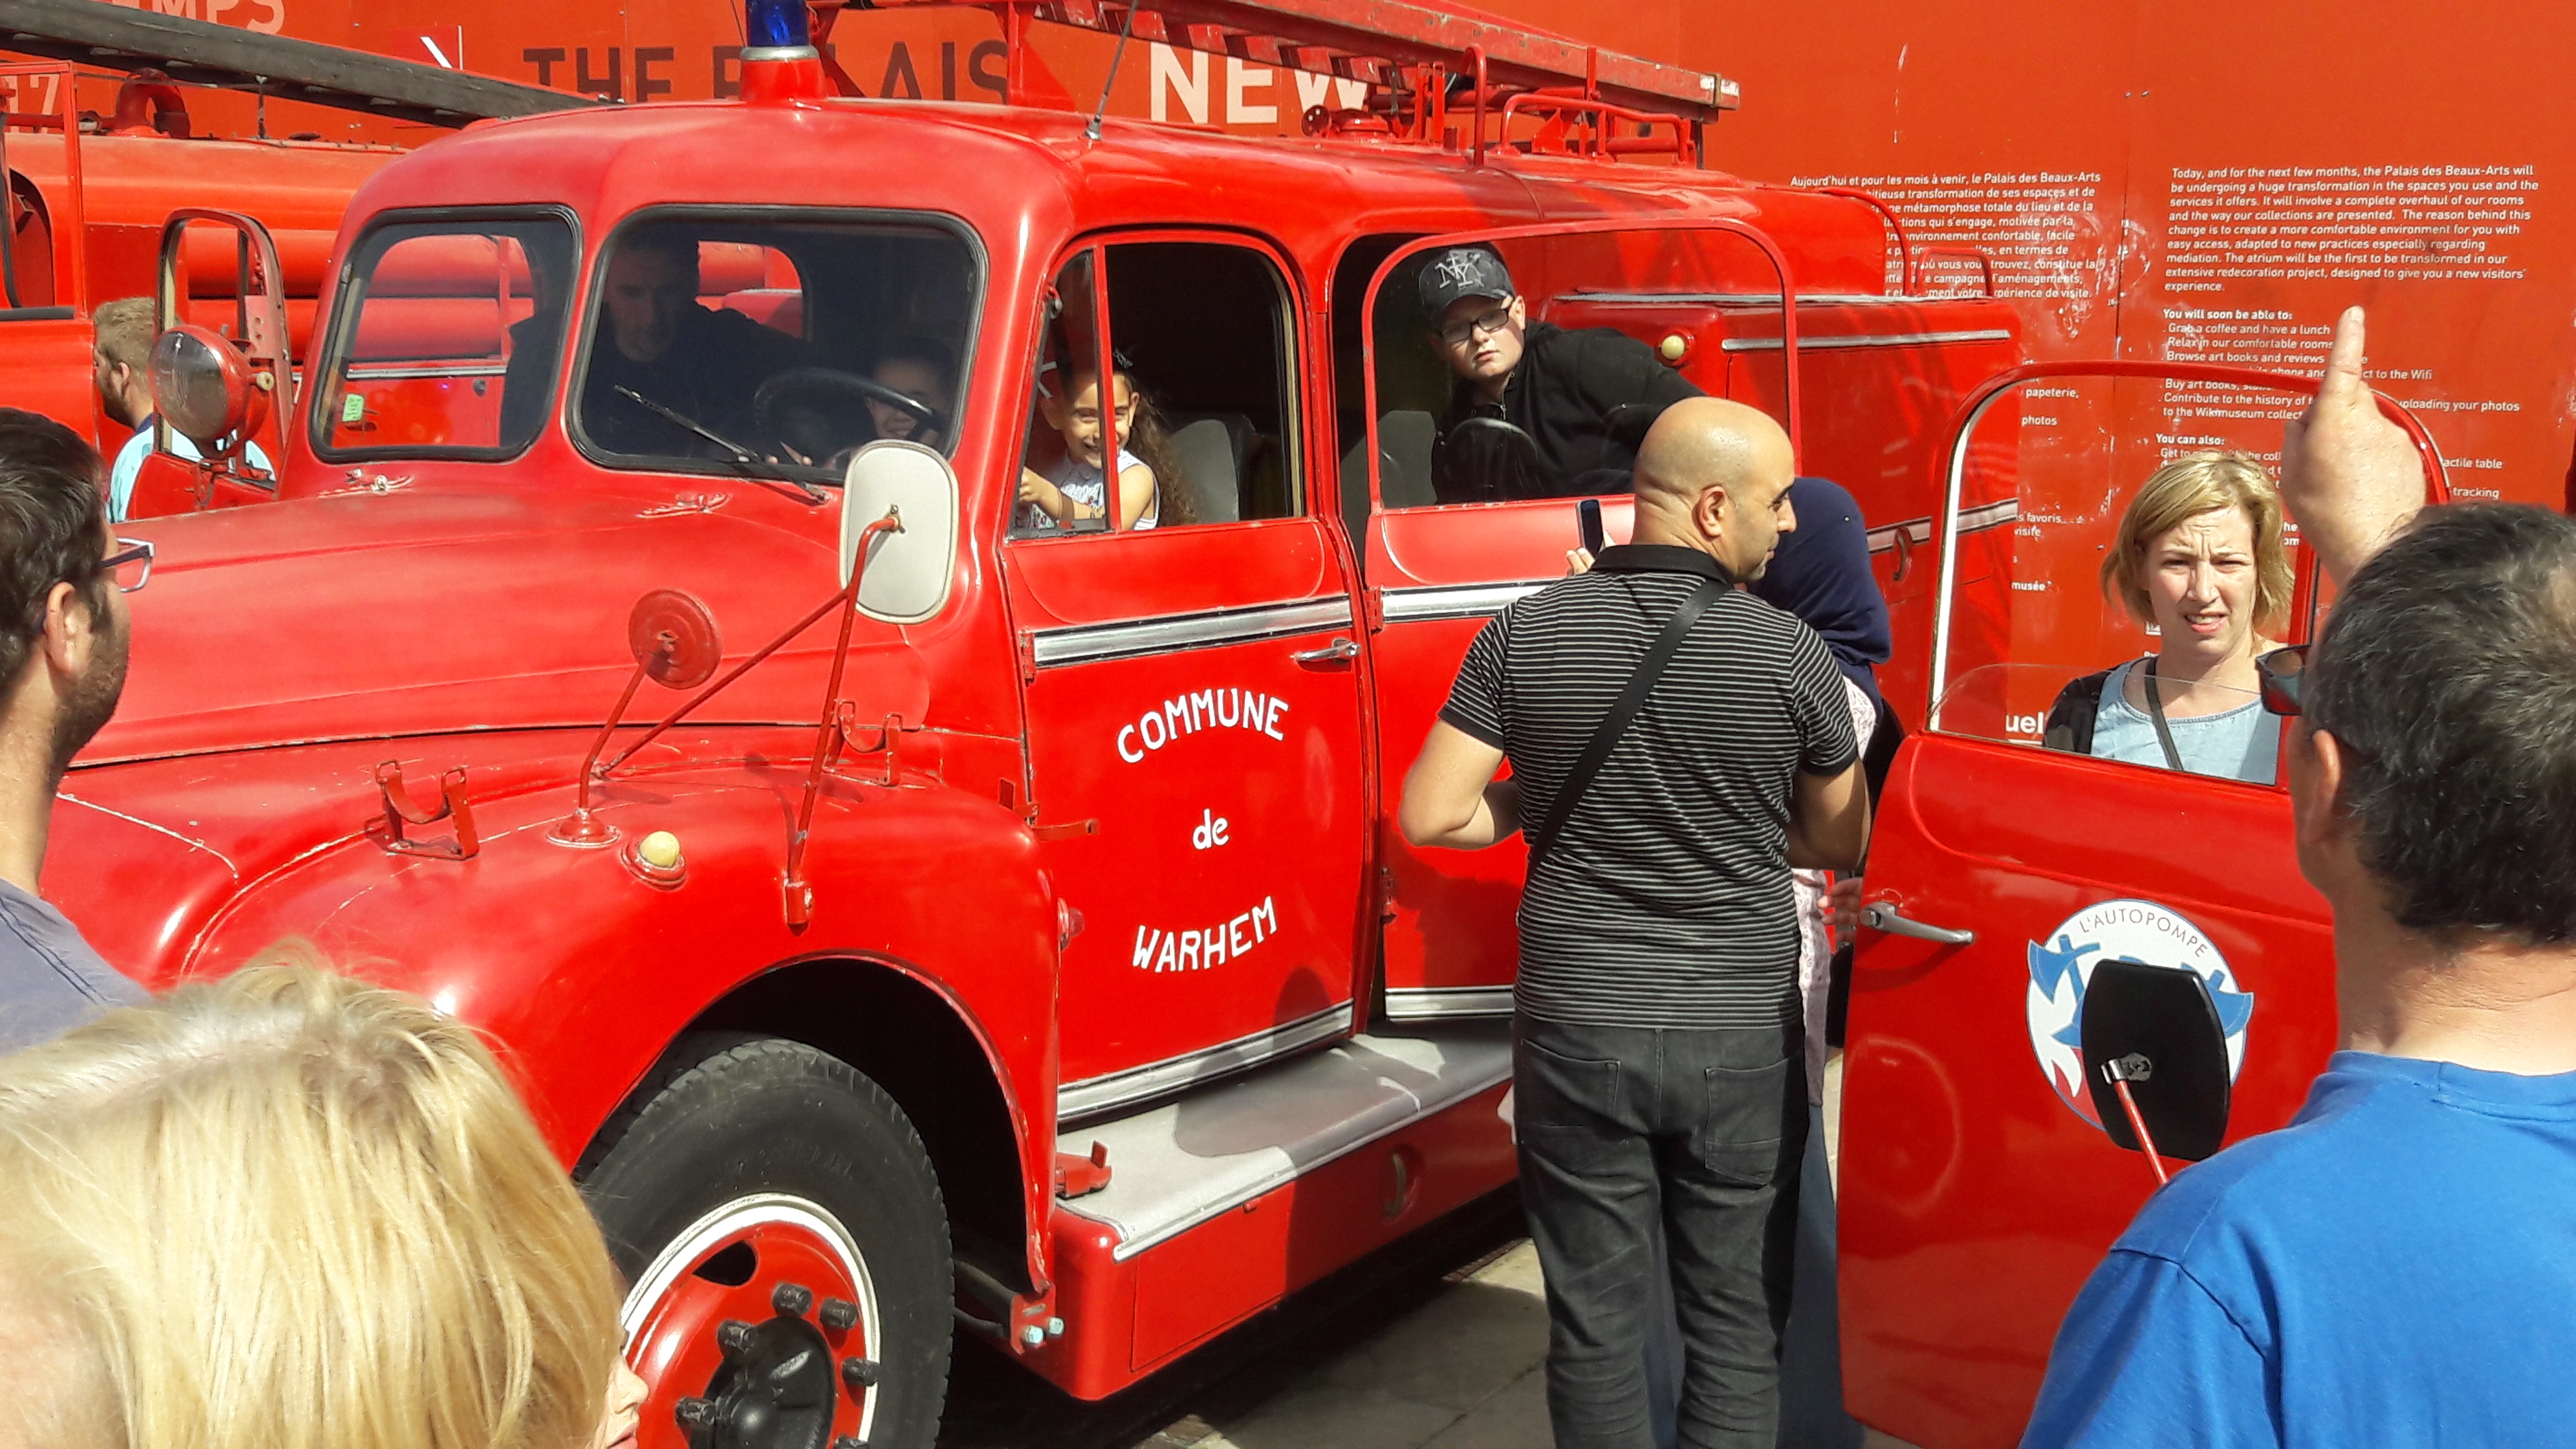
column 743, row 457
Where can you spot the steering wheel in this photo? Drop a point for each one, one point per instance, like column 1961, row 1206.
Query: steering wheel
column 823, row 386
column 1485, row 459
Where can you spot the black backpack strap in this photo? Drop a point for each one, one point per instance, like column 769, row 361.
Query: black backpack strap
column 1622, row 711
column 2070, row 718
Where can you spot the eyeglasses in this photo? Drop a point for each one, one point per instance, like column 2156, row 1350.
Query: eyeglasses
column 1456, row 334
column 130, row 565
column 2283, row 676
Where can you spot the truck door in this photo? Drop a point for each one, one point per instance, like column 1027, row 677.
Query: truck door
column 220, row 269
column 1977, row 1190
column 1197, row 763
column 1455, row 528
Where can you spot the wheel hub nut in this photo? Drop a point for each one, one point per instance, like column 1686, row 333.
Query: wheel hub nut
column 859, row 1373
column 792, row 1299
column 840, row 1315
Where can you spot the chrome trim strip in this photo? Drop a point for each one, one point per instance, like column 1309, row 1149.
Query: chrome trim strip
column 1082, row 643
column 1094, row 1095
column 1884, row 339
column 1451, row 601
column 372, row 371
column 1442, row 1003
column 1916, row 532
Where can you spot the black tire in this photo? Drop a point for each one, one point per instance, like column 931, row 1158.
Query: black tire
column 756, row 1120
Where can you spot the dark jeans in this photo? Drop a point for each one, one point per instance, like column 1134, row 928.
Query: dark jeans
column 1622, row 1128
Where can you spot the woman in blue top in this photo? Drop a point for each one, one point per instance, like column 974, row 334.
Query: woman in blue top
column 2199, row 558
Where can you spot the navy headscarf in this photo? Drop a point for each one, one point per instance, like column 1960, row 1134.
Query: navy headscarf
column 1821, row 574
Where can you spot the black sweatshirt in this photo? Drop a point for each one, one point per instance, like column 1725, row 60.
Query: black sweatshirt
column 1584, row 398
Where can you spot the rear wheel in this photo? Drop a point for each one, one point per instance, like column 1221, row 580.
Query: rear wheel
column 781, row 1230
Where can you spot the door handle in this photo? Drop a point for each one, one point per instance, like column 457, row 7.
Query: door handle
column 1881, row 916
column 1339, row 650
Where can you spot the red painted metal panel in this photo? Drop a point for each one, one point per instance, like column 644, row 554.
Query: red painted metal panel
column 1220, row 863
column 1127, row 1319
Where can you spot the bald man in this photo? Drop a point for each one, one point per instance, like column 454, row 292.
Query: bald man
column 1657, row 1061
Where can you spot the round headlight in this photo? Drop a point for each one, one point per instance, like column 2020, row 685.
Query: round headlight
column 199, row 384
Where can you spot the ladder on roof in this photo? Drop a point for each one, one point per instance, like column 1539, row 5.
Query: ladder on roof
column 1396, row 46
column 205, row 53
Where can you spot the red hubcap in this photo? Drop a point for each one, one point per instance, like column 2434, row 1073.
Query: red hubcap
column 758, row 1333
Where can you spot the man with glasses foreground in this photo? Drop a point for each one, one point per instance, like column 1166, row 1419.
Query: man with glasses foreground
column 2398, row 1265
column 62, row 665
column 1538, row 411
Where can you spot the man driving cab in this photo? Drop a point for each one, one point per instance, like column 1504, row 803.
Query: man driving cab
column 657, row 344
column 1538, row 410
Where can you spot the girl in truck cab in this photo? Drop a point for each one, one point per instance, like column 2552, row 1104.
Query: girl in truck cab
column 2199, row 559
column 1074, row 489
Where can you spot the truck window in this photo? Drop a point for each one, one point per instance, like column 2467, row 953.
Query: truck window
column 446, row 338
column 2115, row 607
column 718, row 344
column 1202, row 393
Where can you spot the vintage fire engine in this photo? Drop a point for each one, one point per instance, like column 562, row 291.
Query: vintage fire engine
column 972, row 916
column 86, row 211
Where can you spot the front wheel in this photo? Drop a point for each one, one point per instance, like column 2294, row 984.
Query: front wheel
column 781, row 1228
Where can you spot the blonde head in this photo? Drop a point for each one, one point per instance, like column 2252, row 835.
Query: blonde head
column 2186, row 488
column 291, row 1211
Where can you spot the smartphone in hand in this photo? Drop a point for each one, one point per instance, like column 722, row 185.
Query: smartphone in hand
column 1587, row 522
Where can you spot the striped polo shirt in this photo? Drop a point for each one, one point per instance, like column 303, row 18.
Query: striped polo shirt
column 1665, row 900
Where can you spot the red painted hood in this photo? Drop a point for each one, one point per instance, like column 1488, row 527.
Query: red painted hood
column 466, row 609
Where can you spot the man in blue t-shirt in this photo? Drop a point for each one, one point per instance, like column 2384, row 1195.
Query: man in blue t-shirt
column 2398, row 1265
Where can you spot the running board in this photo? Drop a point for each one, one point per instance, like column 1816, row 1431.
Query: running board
column 1224, row 1200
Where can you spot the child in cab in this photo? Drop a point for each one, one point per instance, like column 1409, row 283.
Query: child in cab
column 1074, row 490
column 921, row 370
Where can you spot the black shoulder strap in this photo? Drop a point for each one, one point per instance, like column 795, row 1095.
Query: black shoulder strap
column 2156, row 714
column 1622, row 711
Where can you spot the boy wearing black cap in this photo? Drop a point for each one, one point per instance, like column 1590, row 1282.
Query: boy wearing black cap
column 1539, row 411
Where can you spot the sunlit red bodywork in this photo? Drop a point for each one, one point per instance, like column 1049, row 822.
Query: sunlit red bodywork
column 1974, row 1199
column 456, row 616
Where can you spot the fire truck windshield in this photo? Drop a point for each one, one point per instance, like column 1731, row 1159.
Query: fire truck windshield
column 446, row 337
column 716, row 342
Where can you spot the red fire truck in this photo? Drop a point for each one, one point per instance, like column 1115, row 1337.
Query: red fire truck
column 1005, row 921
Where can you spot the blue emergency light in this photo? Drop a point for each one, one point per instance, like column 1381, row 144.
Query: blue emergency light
column 776, row 25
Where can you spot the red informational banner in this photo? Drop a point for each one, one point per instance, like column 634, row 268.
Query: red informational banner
column 2208, row 182
column 2190, row 181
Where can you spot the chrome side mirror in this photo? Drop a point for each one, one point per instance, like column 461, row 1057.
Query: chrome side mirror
column 909, row 569
column 204, row 390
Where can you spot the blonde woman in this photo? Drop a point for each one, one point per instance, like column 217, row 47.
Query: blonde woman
column 291, row 1211
column 2199, row 558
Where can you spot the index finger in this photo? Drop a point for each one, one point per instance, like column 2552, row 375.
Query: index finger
column 2342, row 381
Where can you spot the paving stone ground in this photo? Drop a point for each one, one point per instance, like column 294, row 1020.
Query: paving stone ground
column 1463, row 1371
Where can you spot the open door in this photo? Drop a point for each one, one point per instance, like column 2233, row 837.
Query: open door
column 219, row 270
column 1193, row 670
column 1465, row 514
column 1979, row 1185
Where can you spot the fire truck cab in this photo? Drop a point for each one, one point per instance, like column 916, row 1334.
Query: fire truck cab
column 981, row 912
